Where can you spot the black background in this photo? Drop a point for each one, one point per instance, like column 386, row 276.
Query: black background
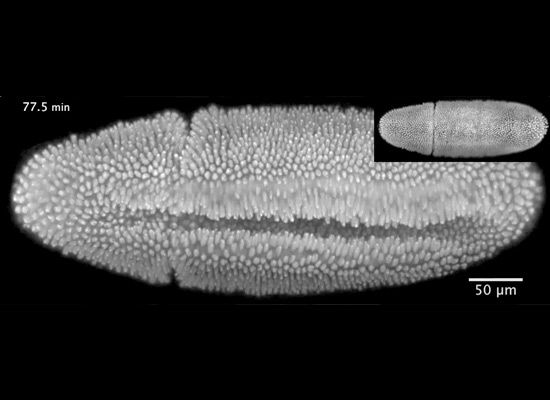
column 35, row 276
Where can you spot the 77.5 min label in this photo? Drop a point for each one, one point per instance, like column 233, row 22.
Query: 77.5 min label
column 43, row 106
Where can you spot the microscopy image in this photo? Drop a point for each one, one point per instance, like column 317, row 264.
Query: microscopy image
column 464, row 129
column 277, row 200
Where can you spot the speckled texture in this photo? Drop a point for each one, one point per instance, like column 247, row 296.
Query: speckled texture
column 410, row 128
column 268, row 200
column 486, row 128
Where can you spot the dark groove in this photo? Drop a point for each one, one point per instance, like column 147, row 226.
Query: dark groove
column 320, row 228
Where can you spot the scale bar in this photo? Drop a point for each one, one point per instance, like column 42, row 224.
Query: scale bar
column 495, row 279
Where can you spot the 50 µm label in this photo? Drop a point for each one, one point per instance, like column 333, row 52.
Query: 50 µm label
column 496, row 287
column 44, row 106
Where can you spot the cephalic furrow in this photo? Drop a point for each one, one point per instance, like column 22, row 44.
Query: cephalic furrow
column 153, row 197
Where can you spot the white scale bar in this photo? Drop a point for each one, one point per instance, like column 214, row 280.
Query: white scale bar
column 495, row 279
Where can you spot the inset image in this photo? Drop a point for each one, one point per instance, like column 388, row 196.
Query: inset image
column 460, row 129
